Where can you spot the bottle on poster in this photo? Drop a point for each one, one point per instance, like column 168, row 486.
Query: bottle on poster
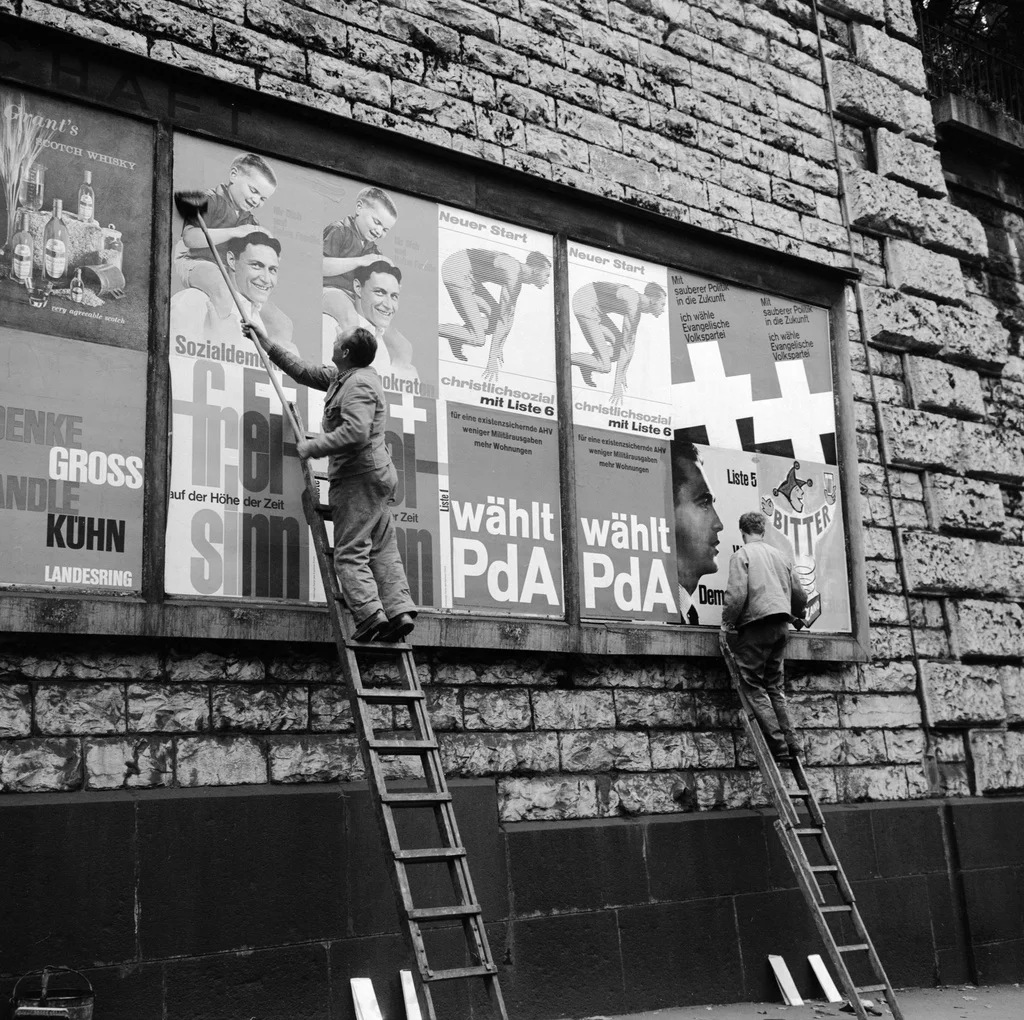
column 56, row 243
column 87, row 199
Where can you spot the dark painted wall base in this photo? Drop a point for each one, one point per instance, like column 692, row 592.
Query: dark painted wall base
column 263, row 902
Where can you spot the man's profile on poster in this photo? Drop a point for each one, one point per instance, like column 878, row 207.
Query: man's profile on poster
column 376, row 291
column 697, row 524
column 465, row 274
column 594, row 304
column 253, row 263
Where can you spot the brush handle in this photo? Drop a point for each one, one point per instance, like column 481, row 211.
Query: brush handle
column 300, row 433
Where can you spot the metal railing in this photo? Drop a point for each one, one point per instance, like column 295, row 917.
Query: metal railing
column 967, row 64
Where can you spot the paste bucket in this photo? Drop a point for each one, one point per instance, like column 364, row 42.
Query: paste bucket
column 107, row 279
column 73, row 992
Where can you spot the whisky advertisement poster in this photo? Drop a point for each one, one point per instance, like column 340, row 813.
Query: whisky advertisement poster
column 77, row 206
column 72, row 428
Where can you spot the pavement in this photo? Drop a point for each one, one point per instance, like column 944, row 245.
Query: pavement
column 953, row 1002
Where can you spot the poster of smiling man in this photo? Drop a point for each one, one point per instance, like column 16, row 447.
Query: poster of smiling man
column 752, row 391
column 235, row 526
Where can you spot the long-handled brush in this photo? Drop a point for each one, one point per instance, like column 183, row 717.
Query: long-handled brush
column 191, row 205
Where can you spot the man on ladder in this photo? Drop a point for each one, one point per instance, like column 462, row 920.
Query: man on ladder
column 362, row 480
column 763, row 596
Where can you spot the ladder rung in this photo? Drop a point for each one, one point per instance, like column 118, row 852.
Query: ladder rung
column 858, row 947
column 461, row 972
column 441, row 853
column 378, row 647
column 389, row 697
column 416, row 798
column 824, row 867
column 443, row 913
column 799, row 793
column 815, row 831
column 401, row 746
column 871, row 988
column 836, row 910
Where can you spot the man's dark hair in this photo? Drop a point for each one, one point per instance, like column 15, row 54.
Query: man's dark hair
column 654, row 290
column 236, row 245
column 683, row 453
column 538, row 260
column 363, row 346
column 752, row 523
column 363, row 273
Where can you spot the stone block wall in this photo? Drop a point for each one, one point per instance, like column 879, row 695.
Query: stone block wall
column 711, row 113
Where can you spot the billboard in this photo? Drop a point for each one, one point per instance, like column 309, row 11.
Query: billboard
column 462, row 310
column 77, row 205
column 72, row 430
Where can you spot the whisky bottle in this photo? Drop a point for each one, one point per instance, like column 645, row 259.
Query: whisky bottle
column 87, row 200
column 22, row 247
column 55, row 244
column 77, row 287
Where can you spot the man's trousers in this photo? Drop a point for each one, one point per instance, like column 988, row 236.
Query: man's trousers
column 760, row 651
column 366, row 556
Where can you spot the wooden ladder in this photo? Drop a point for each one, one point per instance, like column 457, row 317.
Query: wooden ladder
column 379, row 752
column 804, row 835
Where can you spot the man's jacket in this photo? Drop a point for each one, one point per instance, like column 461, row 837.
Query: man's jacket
column 762, row 583
column 355, row 413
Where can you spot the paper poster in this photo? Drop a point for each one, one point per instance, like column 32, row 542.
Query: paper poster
column 77, row 206
column 72, row 431
column 314, row 256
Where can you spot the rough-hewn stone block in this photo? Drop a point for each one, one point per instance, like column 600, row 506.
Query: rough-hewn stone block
column 650, row 794
column 80, row 708
column 885, row 55
column 186, row 58
column 923, row 272
column 192, row 667
column 547, row 797
column 15, row 710
column 497, row 710
column 879, row 710
column 867, row 10
column 349, row 80
column 899, row 320
column 873, row 782
column 968, row 504
column 654, row 709
column 899, row 16
column 1011, row 679
column 315, row 759
column 537, row 672
column 604, row 750
column 870, row 97
column 267, row 709
column 168, row 708
column 946, row 564
column 991, row 629
column 963, row 694
column 877, row 203
column 921, row 439
column 998, row 759
column 973, row 339
column 127, row 764
column 84, row 28
column 909, row 162
column 942, row 387
column 949, row 229
column 864, row 747
column 573, row 710
column 686, row 750
column 219, row 761
column 618, row 672
column 484, row 754
column 40, row 765
column 729, row 789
